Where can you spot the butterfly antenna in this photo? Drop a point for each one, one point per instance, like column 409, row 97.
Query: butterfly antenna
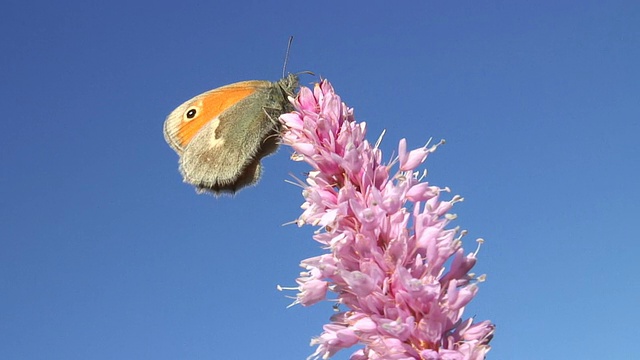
column 286, row 57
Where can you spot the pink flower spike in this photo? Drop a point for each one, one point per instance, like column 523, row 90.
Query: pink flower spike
column 393, row 267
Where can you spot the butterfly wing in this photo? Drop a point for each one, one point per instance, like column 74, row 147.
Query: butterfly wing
column 181, row 126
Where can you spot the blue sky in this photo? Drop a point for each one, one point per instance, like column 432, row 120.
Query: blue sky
column 106, row 254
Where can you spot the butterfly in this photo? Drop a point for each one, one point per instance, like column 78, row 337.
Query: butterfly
column 221, row 135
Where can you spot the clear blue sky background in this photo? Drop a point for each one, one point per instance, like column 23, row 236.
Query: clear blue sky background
column 106, row 254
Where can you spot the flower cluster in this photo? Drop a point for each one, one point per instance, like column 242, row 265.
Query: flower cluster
column 399, row 275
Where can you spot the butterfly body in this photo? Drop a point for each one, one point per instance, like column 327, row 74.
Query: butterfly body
column 222, row 134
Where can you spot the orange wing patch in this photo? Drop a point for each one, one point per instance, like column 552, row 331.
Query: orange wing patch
column 210, row 105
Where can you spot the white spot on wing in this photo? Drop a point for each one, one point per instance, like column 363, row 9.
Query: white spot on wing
column 213, row 141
